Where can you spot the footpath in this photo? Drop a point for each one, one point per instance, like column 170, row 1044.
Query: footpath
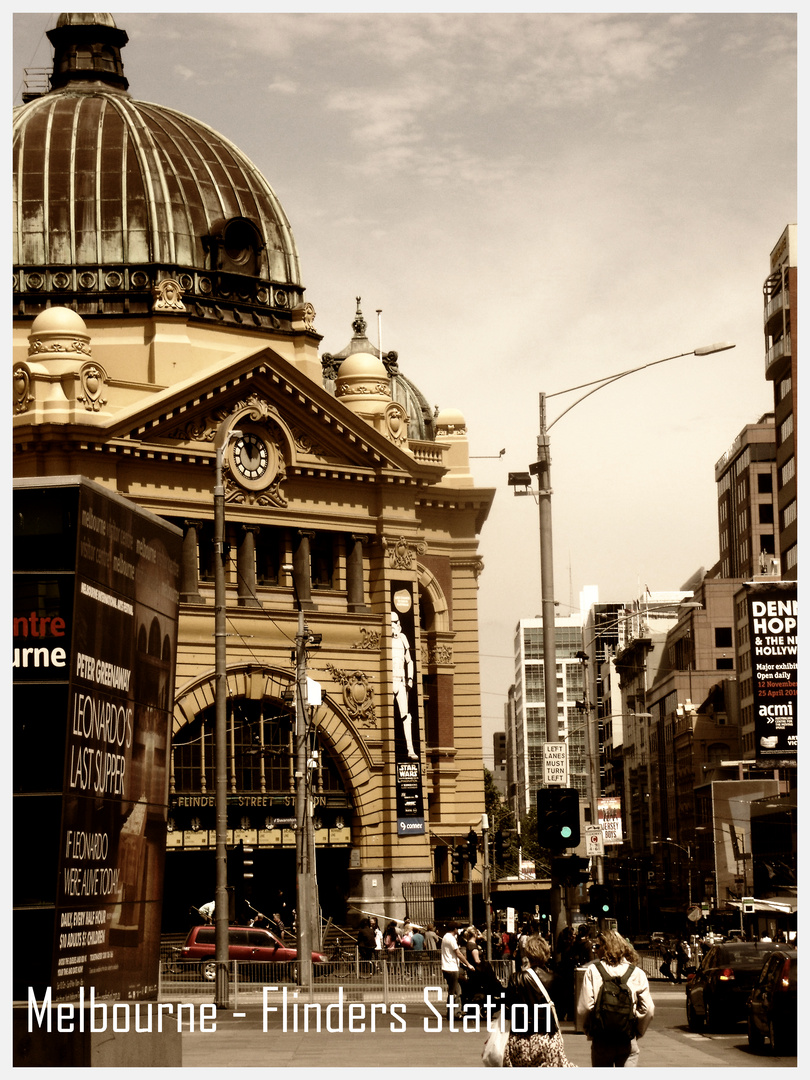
column 404, row 1038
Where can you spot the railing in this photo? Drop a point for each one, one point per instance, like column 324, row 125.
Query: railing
column 780, row 348
column 397, row 976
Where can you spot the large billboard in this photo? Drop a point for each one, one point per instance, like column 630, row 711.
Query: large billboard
column 773, row 622
column 96, row 584
column 407, row 743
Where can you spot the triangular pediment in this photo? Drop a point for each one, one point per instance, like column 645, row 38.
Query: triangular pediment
column 317, row 430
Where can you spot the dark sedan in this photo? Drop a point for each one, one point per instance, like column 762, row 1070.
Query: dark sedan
column 717, row 994
column 773, row 1004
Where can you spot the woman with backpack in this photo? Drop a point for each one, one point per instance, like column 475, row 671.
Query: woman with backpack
column 615, row 1006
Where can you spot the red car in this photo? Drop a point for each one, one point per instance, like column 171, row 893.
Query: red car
column 246, row 943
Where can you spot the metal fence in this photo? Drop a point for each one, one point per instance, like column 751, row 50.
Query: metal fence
column 395, row 977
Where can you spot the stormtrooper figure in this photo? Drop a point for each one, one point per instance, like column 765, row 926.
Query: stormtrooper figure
column 403, row 680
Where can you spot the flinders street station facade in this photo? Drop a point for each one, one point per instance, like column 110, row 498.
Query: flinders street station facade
column 157, row 292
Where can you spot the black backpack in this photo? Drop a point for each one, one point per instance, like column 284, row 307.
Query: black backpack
column 612, row 1019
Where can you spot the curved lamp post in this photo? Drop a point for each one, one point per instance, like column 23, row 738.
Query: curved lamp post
column 542, row 470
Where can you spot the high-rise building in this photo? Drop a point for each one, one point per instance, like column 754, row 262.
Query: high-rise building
column 746, row 486
column 781, row 341
column 528, row 714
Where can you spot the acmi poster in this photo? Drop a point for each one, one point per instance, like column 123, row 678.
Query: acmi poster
column 102, row 575
column 773, row 623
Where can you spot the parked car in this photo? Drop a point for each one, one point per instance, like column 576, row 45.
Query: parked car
column 717, row 994
column 773, row 1004
column 247, row 943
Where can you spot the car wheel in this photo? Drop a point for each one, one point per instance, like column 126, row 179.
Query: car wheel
column 209, row 970
column 756, row 1039
column 694, row 1021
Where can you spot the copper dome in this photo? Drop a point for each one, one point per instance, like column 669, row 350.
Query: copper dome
column 113, row 195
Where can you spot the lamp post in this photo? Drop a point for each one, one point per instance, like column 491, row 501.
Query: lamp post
column 304, row 837
column 225, row 432
column 542, row 470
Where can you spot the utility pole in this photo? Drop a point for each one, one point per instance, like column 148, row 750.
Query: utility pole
column 223, row 436
column 485, row 884
column 303, row 877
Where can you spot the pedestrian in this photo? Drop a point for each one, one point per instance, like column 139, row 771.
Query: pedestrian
column 667, row 956
column 431, row 939
column 535, row 1039
column 615, row 1006
column 417, row 950
column 366, row 942
column 390, row 941
column 683, row 956
column 378, row 943
column 482, row 983
column 207, row 911
column 452, row 962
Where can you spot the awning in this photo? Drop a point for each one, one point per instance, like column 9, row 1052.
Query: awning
column 786, row 905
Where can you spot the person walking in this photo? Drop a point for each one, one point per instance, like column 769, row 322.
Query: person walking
column 366, row 943
column 452, row 961
column 431, row 939
column 535, row 1039
column 615, row 1006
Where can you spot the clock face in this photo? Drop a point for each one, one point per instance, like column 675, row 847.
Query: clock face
column 250, row 456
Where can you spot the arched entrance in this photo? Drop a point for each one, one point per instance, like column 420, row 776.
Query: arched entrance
column 261, row 799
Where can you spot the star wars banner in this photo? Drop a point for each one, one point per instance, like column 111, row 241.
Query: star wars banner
column 407, row 744
column 773, row 619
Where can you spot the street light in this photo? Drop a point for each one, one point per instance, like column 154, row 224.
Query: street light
column 542, row 470
column 225, row 432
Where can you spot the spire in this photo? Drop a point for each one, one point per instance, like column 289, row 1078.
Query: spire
column 87, row 48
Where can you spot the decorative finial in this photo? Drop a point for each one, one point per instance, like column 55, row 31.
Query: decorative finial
column 359, row 324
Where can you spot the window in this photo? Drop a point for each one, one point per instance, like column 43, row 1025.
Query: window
column 791, row 557
column 724, row 663
column 789, row 514
column 322, row 560
column 788, row 471
column 205, row 540
column 269, row 554
column 786, row 428
column 722, row 637
column 766, row 513
column 766, row 544
column 764, row 483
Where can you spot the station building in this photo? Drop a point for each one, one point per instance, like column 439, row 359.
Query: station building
column 158, row 296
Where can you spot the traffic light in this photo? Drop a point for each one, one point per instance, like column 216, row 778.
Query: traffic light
column 458, row 863
column 557, row 818
column 570, row 869
column 600, row 901
column 472, row 848
column 499, row 848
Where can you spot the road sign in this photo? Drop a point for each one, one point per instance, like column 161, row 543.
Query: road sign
column 555, row 765
column 594, row 844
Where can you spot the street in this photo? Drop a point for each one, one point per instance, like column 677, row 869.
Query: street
column 409, row 1036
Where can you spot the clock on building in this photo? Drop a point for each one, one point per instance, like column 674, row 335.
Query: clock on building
column 250, row 458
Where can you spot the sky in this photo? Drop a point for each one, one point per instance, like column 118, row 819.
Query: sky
column 533, row 201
